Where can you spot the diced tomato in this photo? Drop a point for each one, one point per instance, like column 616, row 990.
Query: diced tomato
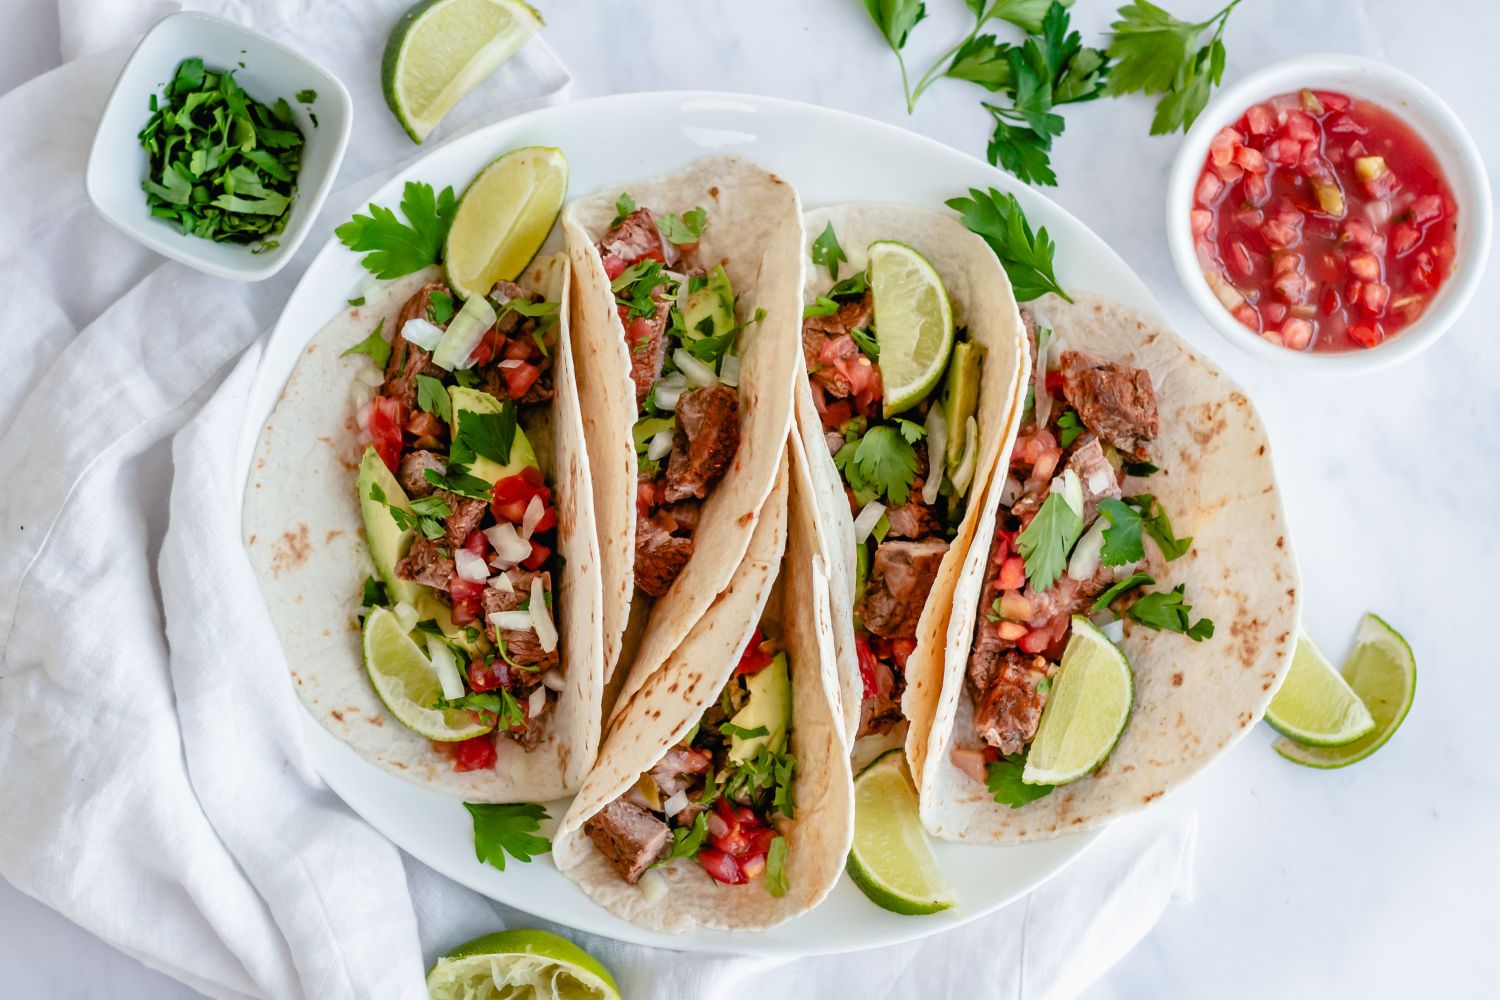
column 538, row 557
column 520, row 378
column 1247, row 315
column 728, row 834
column 387, row 418
column 1366, row 334
column 1239, row 260
column 1273, row 312
column 637, row 332
column 1364, row 266
column 1331, row 100
column 1257, row 190
column 1404, row 237
column 477, row 754
column 489, row 345
column 1284, row 152
column 1300, row 126
column 488, row 676
column 721, row 867
column 901, row 650
column 758, row 840
column 511, row 496
column 1296, row 333
column 1053, row 381
column 1221, row 149
column 422, row 424
column 756, row 656
column 1251, row 160
column 753, row 865
column 465, row 595
column 521, row 349
column 1035, row 641
column 1012, row 574
column 1375, row 297
column 1259, row 119
column 866, row 658
column 1201, row 219
column 1329, row 303
column 1423, row 273
column 645, row 498
column 1427, row 208
column 1209, row 188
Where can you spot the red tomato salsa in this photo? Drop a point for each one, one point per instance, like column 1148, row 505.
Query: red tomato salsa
column 1323, row 222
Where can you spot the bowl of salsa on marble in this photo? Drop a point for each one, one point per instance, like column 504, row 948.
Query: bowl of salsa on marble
column 1330, row 213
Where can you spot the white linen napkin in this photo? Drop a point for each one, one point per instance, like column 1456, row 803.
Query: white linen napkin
column 154, row 786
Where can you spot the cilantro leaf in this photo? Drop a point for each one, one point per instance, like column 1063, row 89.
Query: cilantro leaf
column 635, row 286
column 910, row 430
column 775, row 865
column 1168, row 611
column 866, row 342
column 457, row 480
column 375, row 347
column 307, row 96
column 359, row 301
column 686, row 841
column 1047, row 540
column 985, row 61
column 1138, row 467
column 880, row 462
column 489, row 435
column 440, row 308
column 1019, row 148
column 763, row 781
column 1157, row 53
column 433, row 506
column 827, row 252
column 1024, row 14
column 1122, row 539
column 624, row 205
column 1129, row 583
column 1003, row 779
column 821, row 306
column 1158, row 525
column 374, row 594
column 853, row 286
column 730, row 729
column 1026, row 257
column 895, row 19
column 432, row 396
column 1070, row 426
column 393, row 248
column 684, row 229
column 507, row 829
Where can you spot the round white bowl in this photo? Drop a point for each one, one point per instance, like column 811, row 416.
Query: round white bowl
column 1428, row 116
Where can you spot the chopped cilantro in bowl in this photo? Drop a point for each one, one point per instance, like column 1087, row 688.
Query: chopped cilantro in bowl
column 221, row 165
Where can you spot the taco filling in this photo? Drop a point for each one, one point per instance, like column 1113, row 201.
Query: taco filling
column 680, row 327
column 1068, row 541
column 478, row 573
column 907, row 477
column 719, row 796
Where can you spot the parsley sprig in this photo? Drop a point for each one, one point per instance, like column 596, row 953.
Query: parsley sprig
column 507, row 829
column 1026, row 256
column 1156, row 54
column 882, row 461
column 393, row 248
column 1003, row 779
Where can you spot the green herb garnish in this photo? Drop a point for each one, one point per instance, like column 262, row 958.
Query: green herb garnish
column 1168, row 611
column 507, row 829
column 1003, row 779
column 1047, row 540
column 393, row 248
column 1026, row 256
column 1155, row 54
column 827, row 252
column 375, row 347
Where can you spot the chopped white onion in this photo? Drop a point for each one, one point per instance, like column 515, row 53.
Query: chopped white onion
column 1113, row 631
column 716, row 825
column 696, row 371
column 406, row 616
column 470, row 566
column 512, row 621
column 536, row 702
column 510, row 548
column 660, row 446
column 501, row 582
column 1010, row 492
column 968, row 462
column 369, row 376
column 937, row 451
column 553, row 680
column 422, row 333
column 867, row 519
column 1041, row 399
column 1071, row 489
column 729, row 370
column 541, row 616
column 1085, row 560
column 362, row 415
column 1101, row 479
column 675, row 804
column 653, row 886
column 445, row 665
column 456, row 350
column 535, row 511
column 666, row 398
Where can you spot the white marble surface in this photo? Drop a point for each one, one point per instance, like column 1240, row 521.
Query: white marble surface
column 1378, row 881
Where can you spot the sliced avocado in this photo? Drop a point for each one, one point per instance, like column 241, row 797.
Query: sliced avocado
column 388, row 543
column 961, row 394
column 428, row 606
column 474, row 401
column 710, row 310
column 769, row 705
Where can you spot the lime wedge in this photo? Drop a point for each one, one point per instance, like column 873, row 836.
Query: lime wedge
column 890, row 860
column 504, row 217
column 441, row 49
column 913, row 323
column 406, row 682
column 1083, row 719
column 536, row 965
column 1315, row 706
column 1383, row 672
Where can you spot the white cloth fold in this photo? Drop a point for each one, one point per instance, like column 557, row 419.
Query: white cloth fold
column 155, row 790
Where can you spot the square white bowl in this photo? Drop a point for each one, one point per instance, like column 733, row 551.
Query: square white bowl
column 118, row 163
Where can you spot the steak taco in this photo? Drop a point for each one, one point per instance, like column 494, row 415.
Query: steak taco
column 1139, row 490
column 432, row 448
column 723, row 796
column 685, row 298
column 900, row 462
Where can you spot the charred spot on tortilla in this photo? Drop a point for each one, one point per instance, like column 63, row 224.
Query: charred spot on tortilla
column 1177, row 679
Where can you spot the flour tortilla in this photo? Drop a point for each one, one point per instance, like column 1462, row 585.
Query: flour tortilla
column 305, row 537
column 793, row 609
column 1193, row 701
column 754, row 226
column 982, row 302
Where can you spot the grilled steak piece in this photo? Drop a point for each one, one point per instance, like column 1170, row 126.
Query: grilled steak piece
column 659, row 555
column 707, row 434
column 426, row 563
column 413, row 464
column 465, row 518
column 407, row 360
column 879, row 712
column 521, row 644
column 825, row 339
column 1007, row 705
column 901, row 576
column 1095, row 474
column 913, row 519
column 530, row 734
column 637, row 236
column 646, row 341
column 1113, row 400
column 677, row 768
column 629, row 836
